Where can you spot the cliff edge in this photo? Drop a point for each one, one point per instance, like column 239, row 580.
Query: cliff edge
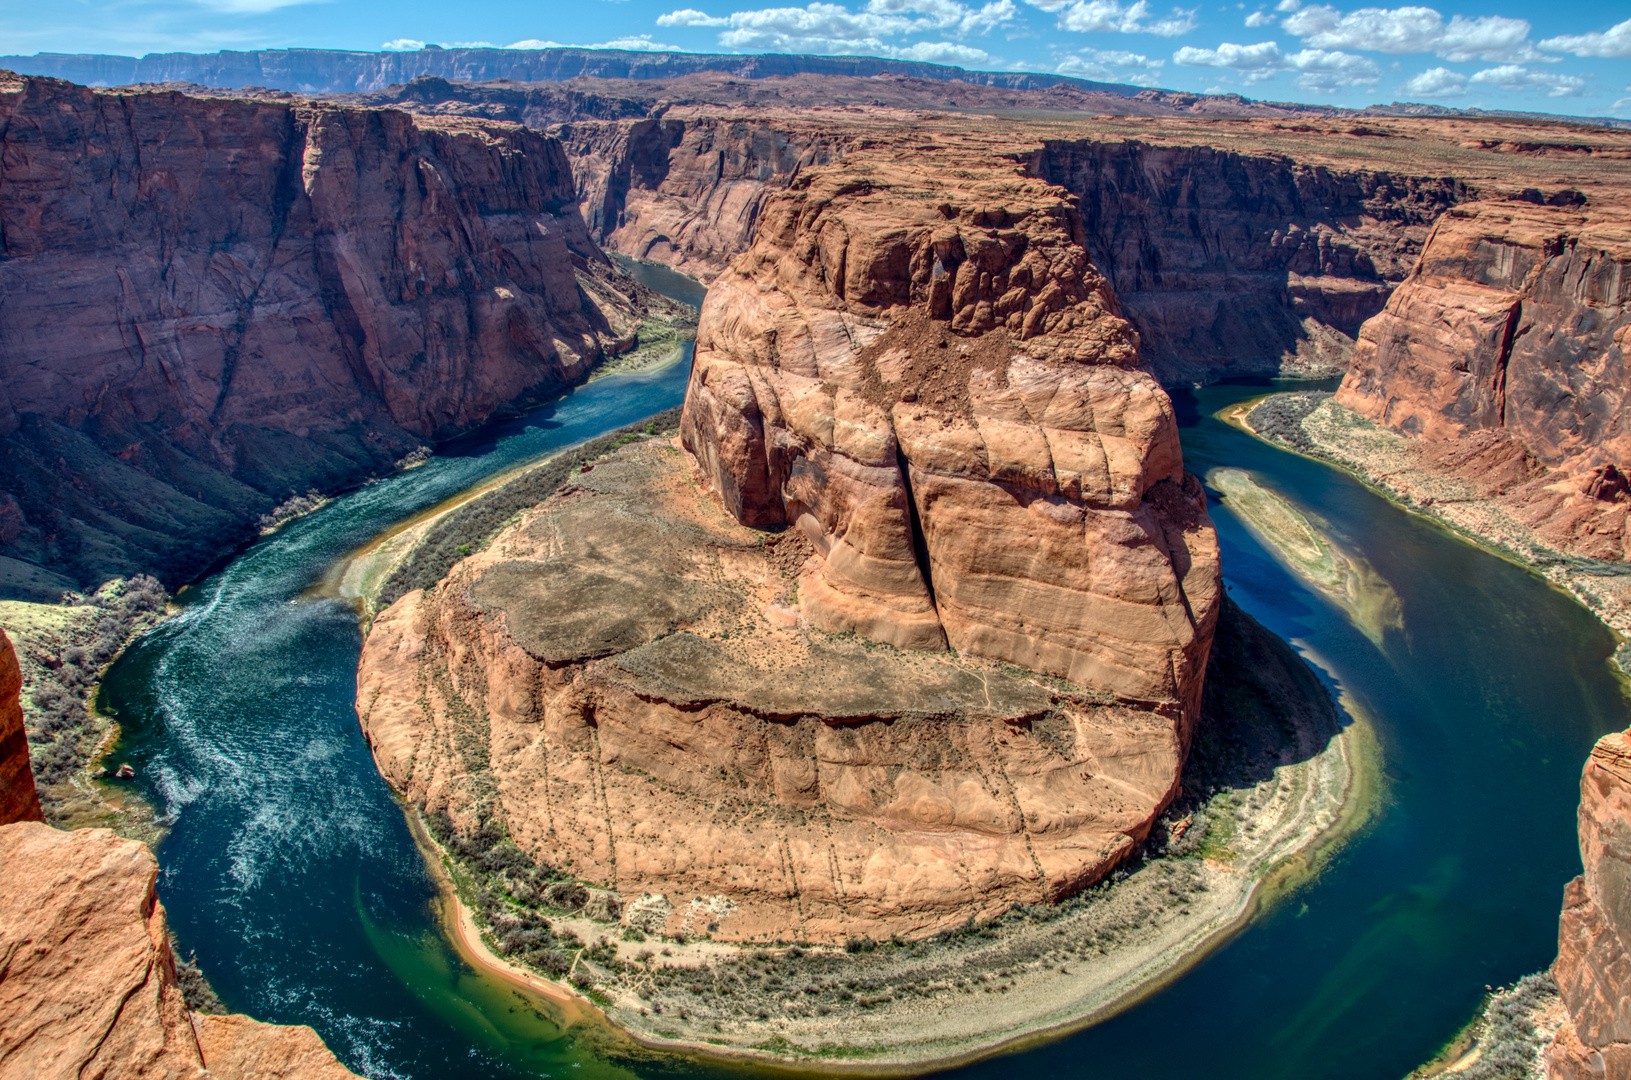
column 1593, row 968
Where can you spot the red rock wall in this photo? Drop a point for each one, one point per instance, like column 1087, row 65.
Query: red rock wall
column 90, row 986
column 18, row 799
column 684, row 187
column 1593, row 968
column 213, row 304
column 916, row 364
column 1221, row 258
column 1513, row 327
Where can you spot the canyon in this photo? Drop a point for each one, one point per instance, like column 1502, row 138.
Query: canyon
column 214, row 305
column 906, row 624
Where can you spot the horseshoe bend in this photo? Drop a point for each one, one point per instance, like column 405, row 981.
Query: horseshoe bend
column 905, row 628
column 800, row 562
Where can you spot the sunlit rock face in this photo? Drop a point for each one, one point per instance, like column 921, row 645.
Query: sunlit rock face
column 1593, row 968
column 1505, row 350
column 90, row 983
column 918, row 367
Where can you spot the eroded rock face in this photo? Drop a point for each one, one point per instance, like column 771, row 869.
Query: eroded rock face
column 917, row 366
column 1593, row 968
column 622, row 679
column 685, row 187
column 90, row 984
column 1509, row 340
column 1232, row 262
column 213, row 304
column 18, row 799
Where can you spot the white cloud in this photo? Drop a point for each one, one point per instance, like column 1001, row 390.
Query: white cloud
column 1518, row 77
column 1613, row 42
column 1259, row 18
column 1414, row 30
column 1318, row 70
column 405, row 44
column 1110, row 65
column 1113, row 17
column 1438, row 82
column 832, row 28
column 1285, row 7
column 249, row 7
column 691, row 17
column 634, row 43
column 535, row 43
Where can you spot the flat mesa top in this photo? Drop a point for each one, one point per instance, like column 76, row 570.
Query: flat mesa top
column 633, row 563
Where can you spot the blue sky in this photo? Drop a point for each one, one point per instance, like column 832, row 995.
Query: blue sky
column 1554, row 57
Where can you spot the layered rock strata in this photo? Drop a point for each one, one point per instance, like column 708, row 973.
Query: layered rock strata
column 1593, row 968
column 917, row 367
column 90, row 984
column 1506, row 350
column 621, row 679
column 18, row 799
column 213, row 304
column 1231, row 262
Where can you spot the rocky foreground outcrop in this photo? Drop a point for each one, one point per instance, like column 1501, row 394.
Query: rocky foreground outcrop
column 215, row 303
column 1505, row 351
column 18, row 799
column 89, row 986
column 1593, row 968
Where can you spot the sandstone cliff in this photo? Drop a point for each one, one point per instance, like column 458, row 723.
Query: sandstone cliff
column 620, row 683
column 916, row 365
column 18, row 799
column 1593, row 968
column 686, row 186
column 213, row 304
column 1231, row 262
column 90, row 984
column 1506, row 350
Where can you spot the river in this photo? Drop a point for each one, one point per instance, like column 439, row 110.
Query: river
column 289, row 869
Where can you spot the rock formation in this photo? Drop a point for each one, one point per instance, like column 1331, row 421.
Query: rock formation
column 1593, row 968
column 213, row 304
column 18, row 800
column 918, row 367
column 1506, row 349
column 90, row 984
column 621, row 681
column 918, row 405
column 1237, row 262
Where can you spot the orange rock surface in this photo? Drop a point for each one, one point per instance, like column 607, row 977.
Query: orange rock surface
column 90, row 984
column 620, row 679
column 1593, row 968
column 917, row 366
column 18, row 799
column 1506, row 351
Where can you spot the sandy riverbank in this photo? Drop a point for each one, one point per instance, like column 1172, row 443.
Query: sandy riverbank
column 1401, row 470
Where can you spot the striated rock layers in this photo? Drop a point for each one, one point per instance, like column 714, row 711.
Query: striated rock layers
column 18, row 799
column 917, row 366
column 621, row 679
column 1506, row 350
column 90, row 984
column 212, row 304
column 1232, row 262
column 685, row 187
column 917, row 405
column 1593, row 968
